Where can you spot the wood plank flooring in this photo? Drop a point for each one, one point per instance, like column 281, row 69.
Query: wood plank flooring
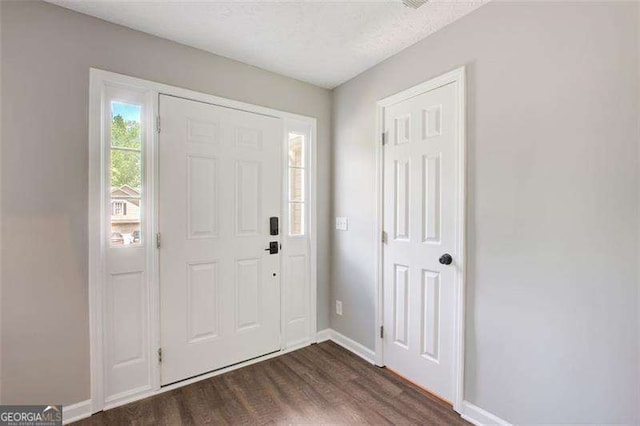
column 321, row 383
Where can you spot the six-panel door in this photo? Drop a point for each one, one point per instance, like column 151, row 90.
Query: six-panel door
column 420, row 207
column 220, row 180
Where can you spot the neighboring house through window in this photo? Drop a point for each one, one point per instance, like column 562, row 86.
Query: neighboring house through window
column 125, row 215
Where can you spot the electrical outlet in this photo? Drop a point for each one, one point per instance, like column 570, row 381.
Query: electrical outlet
column 338, row 307
column 342, row 223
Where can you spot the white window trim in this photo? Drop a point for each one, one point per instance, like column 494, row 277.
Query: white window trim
column 99, row 80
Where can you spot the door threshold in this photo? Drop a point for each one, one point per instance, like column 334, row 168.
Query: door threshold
column 444, row 401
column 230, row 366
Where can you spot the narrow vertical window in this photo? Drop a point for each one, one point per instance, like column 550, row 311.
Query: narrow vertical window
column 296, row 176
column 126, row 173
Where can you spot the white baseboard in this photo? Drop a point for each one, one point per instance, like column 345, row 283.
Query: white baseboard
column 74, row 412
column 298, row 344
column 323, row 335
column 479, row 417
column 347, row 343
column 126, row 397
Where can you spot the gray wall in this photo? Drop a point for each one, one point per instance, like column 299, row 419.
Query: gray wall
column 46, row 55
column 552, row 312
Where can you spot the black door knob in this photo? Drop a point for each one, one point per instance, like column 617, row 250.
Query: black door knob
column 445, row 259
column 273, row 247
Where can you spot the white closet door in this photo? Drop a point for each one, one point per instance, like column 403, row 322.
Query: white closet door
column 420, row 205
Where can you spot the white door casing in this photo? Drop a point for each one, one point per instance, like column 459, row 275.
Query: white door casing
column 219, row 183
column 421, row 223
column 124, row 289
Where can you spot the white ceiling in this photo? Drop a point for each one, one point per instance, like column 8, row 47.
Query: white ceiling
column 319, row 41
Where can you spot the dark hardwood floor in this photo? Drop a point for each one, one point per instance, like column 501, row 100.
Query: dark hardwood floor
column 322, row 383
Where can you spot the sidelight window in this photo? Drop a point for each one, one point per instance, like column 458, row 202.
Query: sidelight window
column 125, row 172
column 296, row 184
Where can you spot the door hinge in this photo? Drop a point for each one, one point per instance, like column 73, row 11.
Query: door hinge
column 158, row 240
column 384, row 237
column 384, row 138
column 159, row 354
column 382, row 331
column 158, row 123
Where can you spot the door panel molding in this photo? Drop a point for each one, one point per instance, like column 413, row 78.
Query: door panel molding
column 204, row 133
column 431, row 126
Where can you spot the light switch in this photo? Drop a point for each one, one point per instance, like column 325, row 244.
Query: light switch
column 341, row 223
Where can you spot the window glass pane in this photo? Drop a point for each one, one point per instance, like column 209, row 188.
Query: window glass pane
column 125, row 125
column 296, row 219
column 125, row 174
column 296, row 184
column 125, row 218
column 296, row 150
column 126, row 168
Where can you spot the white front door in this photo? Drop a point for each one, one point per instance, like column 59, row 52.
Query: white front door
column 220, row 181
column 420, row 214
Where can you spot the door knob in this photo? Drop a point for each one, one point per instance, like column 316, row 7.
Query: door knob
column 273, row 247
column 445, row 259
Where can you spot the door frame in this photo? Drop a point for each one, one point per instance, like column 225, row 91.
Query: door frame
column 457, row 76
column 97, row 191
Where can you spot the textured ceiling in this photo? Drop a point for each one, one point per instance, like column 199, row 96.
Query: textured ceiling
column 322, row 42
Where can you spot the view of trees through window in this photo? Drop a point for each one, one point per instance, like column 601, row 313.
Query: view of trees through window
column 126, row 173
